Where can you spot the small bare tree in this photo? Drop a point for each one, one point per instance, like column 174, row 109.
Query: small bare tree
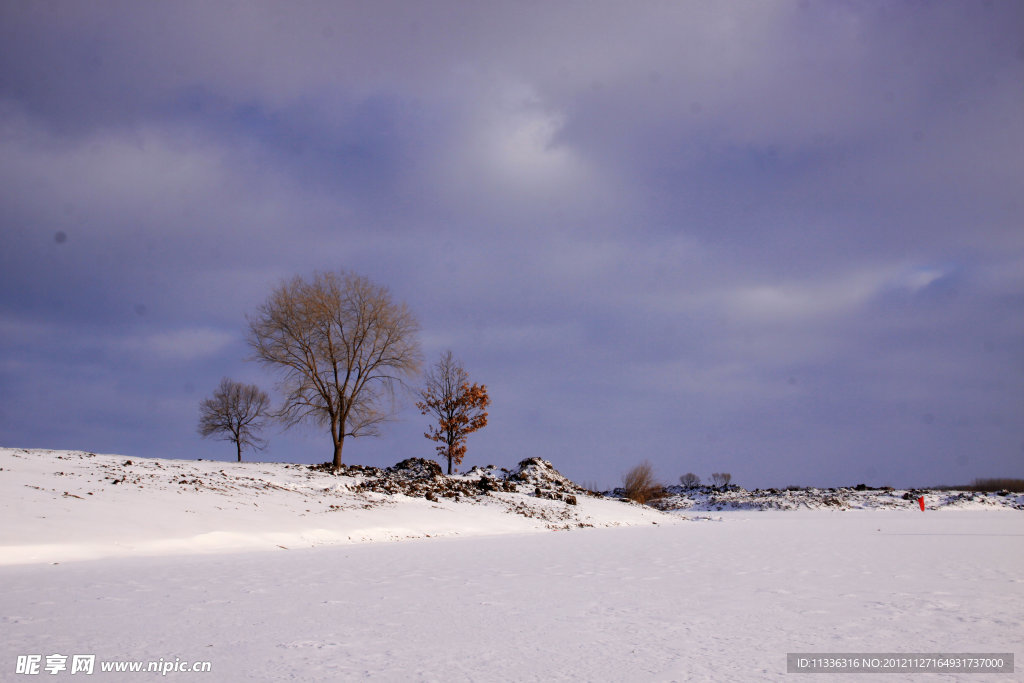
column 236, row 411
column 342, row 347
column 721, row 479
column 457, row 405
column 640, row 484
column 689, row 480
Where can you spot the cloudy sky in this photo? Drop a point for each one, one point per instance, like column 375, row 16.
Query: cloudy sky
column 779, row 239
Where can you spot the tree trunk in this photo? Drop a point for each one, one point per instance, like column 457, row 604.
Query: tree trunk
column 449, row 465
column 238, row 445
column 337, row 453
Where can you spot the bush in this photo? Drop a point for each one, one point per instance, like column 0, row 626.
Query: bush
column 690, row 480
column 721, row 479
column 640, row 485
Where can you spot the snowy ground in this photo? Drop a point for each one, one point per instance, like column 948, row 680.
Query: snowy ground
column 846, row 498
column 717, row 596
column 71, row 505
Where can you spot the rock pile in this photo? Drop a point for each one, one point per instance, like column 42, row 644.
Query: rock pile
column 422, row 478
column 547, row 482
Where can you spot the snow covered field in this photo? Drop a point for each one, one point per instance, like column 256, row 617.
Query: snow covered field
column 71, row 505
column 709, row 596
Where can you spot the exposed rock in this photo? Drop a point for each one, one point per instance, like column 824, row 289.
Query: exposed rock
column 417, row 468
column 543, row 476
column 347, row 470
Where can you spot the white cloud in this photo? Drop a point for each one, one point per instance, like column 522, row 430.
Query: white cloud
column 821, row 298
column 919, row 278
column 507, row 151
column 184, row 344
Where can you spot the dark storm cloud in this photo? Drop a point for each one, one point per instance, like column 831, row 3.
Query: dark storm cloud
column 779, row 238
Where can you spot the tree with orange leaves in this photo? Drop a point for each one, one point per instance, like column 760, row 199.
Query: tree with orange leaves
column 457, row 405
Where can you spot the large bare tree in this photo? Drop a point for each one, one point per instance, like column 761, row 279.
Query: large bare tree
column 237, row 412
column 342, row 347
column 457, row 405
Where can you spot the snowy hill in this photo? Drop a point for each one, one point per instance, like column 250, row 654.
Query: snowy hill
column 77, row 505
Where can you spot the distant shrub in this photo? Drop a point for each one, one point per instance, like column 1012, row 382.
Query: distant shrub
column 721, row 479
column 689, row 480
column 640, row 485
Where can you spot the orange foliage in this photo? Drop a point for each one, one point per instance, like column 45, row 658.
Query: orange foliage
column 457, row 405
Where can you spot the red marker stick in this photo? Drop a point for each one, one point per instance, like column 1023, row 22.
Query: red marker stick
column 920, row 501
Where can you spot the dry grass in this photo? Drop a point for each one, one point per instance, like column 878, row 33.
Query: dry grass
column 640, row 484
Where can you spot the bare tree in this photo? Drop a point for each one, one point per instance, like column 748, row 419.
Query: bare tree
column 689, row 480
column 457, row 405
column 236, row 411
column 342, row 347
column 640, row 484
column 721, row 479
